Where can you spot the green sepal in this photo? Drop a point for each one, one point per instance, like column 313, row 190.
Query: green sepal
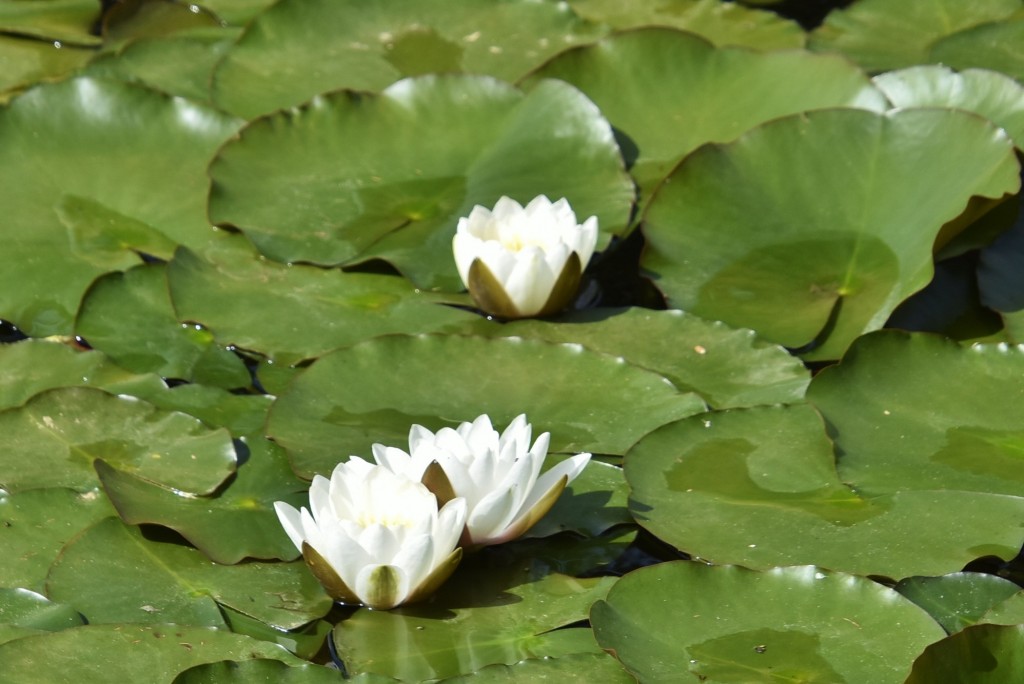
column 328, row 576
column 436, row 480
column 488, row 293
column 565, row 287
column 436, row 578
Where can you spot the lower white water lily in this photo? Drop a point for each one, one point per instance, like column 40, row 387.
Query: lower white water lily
column 499, row 476
column 520, row 261
column 373, row 537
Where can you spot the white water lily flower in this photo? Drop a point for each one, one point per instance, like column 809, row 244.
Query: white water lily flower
column 520, row 261
column 498, row 476
column 373, row 537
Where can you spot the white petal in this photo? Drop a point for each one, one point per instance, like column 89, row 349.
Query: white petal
column 489, row 517
column 291, row 522
column 530, row 283
column 416, row 558
column 570, row 467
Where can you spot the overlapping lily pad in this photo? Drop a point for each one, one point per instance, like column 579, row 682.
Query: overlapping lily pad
column 994, row 45
column 259, row 670
column 166, row 582
column 880, row 35
column 918, row 481
column 350, row 177
column 35, row 526
column 126, row 653
column 812, row 228
column 305, row 311
column 723, row 23
column 179, row 64
column 730, row 624
column 991, row 94
column 63, row 139
column 575, row 667
column 53, row 439
column 26, row 61
column 301, row 48
column 958, row 600
column 727, row 367
column 236, row 523
column 374, row 391
column 982, row 654
column 129, row 317
column 694, row 93
column 504, row 614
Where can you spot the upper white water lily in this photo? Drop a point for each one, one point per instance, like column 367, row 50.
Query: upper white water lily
column 373, row 537
column 498, row 476
column 520, row 261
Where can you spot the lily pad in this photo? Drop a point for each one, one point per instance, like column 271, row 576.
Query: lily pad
column 53, row 439
column 727, row 367
column 33, row 366
column 694, row 93
column 99, row 654
column 24, row 608
column 24, row 61
column 575, row 667
column 138, row 153
column 730, row 624
column 294, row 312
column 1009, row 612
column 256, row 671
column 167, row 582
column 300, row 48
column 722, row 23
column 881, row 36
column 896, row 422
column 823, row 252
column 129, row 317
column 759, row 487
column 592, row 504
column 982, row 654
column 35, row 526
column 996, row 45
column 991, row 94
column 958, row 600
column 64, row 21
column 235, row 523
column 499, row 607
column 181, row 65
column 342, row 404
column 350, row 177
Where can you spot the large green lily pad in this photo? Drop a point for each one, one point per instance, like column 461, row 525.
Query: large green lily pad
column 575, row 667
column 880, row 35
column 25, row 608
column 259, row 671
column 917, row 482
column 53, row 439
column 375, row 391
column 167, row 582
column 136, row 153
column 100, row 654
column 64, row 21
column 730, row 624
column 350, row 176
column 300, row 48
column 811, row 229
column 727, row 367
column 24, row 61
column 694, row 93
column 295, row 312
